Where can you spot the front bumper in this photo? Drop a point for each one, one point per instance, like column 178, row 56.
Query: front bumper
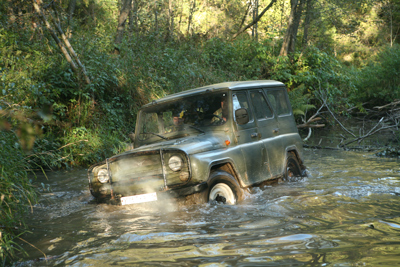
column 160, row 195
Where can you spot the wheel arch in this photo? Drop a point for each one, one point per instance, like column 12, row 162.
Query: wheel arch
column 219, row 177
column 226, row 166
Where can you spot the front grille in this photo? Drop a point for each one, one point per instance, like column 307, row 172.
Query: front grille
column 143, row 172
column 135, row 166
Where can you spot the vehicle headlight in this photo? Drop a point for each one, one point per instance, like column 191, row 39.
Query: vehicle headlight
column 102, row 176
column 175, row 163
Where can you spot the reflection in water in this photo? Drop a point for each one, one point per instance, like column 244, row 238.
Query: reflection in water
column 346, row 213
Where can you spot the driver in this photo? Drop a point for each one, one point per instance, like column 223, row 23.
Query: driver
column 221, row 114
column 177, row 122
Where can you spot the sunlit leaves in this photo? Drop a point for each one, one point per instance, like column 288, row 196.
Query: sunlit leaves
column 379, row 81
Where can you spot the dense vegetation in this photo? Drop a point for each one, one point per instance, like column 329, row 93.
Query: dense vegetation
column 55, row 113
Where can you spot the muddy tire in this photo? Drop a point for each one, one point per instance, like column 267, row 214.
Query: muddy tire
column 224, row 188
column 293, row 170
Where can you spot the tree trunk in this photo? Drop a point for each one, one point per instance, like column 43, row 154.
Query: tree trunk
column 126, row 6
column 55, row 37
column 71, row 10
column 133, row 17
column 245, row 16
column 130, row 16
column 289, row 41
column 171, row 18
column 136, row 17
column 72, row 51
column 254, row 32
column 191, row 11
column 307, row 21
column 297, row 18
column 92, row 11
column 254, row 20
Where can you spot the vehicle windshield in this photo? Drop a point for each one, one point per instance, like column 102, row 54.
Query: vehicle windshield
column 175, row 119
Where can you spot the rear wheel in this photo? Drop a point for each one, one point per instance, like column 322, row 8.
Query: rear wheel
column 224, row 188
column 293, row 170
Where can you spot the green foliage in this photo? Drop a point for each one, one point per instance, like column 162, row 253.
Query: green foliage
column 309, row 73
column 300, row 101
column 86, row 146
column 379, row 81
column 320, row 71
column 17, row 194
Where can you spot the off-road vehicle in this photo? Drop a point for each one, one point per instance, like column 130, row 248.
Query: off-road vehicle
column 212, row 142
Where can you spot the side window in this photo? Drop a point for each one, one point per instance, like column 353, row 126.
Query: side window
column 240, row 100
column 279, row 101
column 261, row 108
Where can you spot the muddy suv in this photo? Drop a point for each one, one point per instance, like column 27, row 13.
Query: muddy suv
column 206, row 144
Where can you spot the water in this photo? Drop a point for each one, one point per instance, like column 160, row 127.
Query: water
column 346, row 213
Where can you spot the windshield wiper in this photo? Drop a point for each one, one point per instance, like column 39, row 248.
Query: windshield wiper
column 159, row 135
column 196, row 128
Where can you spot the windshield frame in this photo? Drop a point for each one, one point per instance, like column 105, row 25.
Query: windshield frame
column 155, row 129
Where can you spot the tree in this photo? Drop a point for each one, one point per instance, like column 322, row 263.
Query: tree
column 255, row 20
column 191, row 12
column 307, row 21
column 171, row 16
column 390, row 11
column 123, row 15
column 71, row 10
column 254, row 33
column 62, row 45
column 289, row 40
column 133, row 16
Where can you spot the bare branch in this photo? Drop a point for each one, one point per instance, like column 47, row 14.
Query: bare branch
column 396, row 102
column 323, row 99
column 70, row 49
column 359, row 139
column 55, row 37
column 255, row 20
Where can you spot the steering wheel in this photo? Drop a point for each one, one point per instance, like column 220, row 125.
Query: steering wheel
column 219, row 121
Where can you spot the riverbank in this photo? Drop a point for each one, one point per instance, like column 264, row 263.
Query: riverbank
column 379, row 136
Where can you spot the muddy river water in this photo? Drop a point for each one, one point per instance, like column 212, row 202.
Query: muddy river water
column 346, row 213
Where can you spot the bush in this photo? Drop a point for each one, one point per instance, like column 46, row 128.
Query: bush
column 379, row 81
column 17, row 194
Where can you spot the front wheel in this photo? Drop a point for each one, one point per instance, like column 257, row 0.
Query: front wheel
column 224, row 188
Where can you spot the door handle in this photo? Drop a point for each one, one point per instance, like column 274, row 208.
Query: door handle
column 254, row 135
column 276, row 130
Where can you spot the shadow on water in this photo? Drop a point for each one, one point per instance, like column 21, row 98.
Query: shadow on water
column 346, row 213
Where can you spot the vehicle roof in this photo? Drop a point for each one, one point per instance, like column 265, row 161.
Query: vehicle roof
column 237, row 85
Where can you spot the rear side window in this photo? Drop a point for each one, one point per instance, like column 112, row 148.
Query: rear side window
column 279, row 101
column 261, row 107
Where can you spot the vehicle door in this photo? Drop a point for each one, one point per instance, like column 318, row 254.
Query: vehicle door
column 279, row 100
column 268, row 130
column 249, row 141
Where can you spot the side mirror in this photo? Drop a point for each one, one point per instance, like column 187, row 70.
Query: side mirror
column 242, row 117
